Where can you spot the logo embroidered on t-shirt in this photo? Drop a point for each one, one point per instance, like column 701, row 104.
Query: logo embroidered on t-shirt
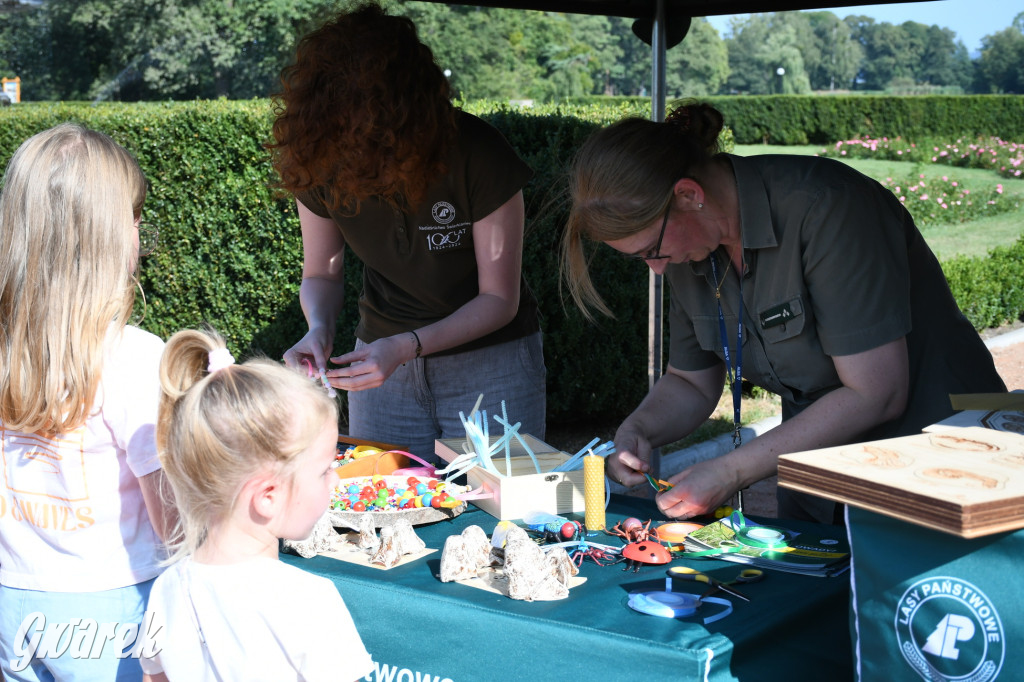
column 449, row 239
column 443, row 212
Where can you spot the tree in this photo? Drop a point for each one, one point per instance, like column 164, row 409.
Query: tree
column 157, row 49
column 1001, row 62
column 580, row 64
column 501, row 53
column 840, row 54
column 699, row 65
column 25, row 52
column 886, row 52
column 631, row 74
column 696, row 67
column 761, row 45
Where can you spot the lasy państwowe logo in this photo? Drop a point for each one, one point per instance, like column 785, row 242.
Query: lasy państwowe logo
column 948, row 629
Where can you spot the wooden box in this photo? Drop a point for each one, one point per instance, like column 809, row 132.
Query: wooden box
column 524, row 491
column 383, row 463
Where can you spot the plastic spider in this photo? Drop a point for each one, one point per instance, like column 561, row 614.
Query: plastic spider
column 596, row 553
column 631, row 530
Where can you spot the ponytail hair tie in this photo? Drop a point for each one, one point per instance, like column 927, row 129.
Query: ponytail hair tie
column 219, row 359
column 680, row 118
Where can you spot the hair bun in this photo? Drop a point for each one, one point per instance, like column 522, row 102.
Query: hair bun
column 680, row 118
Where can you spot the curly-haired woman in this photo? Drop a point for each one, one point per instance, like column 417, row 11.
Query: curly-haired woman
column 430, row 199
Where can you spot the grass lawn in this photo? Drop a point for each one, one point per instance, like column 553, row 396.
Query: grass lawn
column 974, row 238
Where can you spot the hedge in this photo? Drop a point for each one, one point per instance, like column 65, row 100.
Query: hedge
column 230, row 249
column 816, row 119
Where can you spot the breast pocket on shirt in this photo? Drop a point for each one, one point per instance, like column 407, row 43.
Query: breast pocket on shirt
column 781, row 321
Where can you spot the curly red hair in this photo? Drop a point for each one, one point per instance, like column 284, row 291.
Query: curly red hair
column 364, row 111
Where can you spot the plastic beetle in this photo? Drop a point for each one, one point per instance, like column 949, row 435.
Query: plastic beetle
column 639, row 553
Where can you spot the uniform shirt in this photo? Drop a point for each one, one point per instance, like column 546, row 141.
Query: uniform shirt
column 419, row 266
column 72, row 515
column 257, row 620
column 835, row 266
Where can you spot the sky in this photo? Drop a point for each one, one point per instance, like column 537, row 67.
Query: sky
column 971, row 20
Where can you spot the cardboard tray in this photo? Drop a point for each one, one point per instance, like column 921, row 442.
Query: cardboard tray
column 524, row 491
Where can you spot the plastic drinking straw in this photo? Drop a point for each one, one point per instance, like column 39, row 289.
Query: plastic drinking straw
column 513, row 431
column 508, row 441
column 476, row 406
column 575, row 462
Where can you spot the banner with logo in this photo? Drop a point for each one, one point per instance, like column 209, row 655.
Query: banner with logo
column 928, row 605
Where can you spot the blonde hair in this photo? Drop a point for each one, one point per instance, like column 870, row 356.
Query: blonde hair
column 67, row 211
column 216, row 430
column 621, row 181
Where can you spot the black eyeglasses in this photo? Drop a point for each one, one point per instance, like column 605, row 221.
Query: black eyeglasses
column 149, row 235
column 657, row 247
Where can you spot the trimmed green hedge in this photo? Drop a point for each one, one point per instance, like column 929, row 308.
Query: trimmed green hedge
column 816, row 119
column 990, row 290
column 230, row 249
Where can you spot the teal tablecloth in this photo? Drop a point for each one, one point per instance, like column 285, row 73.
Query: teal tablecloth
column 935, row 606
column 419, row 629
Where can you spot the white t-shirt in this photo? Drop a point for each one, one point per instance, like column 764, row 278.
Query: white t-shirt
column 72, row 516
column 252, row 621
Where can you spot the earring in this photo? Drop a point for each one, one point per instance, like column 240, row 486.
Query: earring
column 700, row 206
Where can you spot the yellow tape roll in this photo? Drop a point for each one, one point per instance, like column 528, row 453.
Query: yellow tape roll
column 593, row 492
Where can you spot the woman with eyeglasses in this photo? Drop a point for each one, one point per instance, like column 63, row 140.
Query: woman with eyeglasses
column 430, row 199
column 81, row 510
column 797, row 274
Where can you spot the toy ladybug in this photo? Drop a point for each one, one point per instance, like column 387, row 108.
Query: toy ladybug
column 639, row 553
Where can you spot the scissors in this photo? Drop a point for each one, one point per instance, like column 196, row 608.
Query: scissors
column 686, row 573
column 747, row 575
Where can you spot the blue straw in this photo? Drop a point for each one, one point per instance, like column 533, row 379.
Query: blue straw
column 576, row 461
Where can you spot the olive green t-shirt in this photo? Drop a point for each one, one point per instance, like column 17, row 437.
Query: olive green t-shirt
column 835, row 266
column 419, row 265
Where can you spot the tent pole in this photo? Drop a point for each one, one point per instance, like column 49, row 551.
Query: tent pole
column 655, row 298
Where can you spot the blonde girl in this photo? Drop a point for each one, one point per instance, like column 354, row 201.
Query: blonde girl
column 80, row 509
column 249, row 452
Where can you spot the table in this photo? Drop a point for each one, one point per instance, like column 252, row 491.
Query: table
column 420, row 629
column 932, row 605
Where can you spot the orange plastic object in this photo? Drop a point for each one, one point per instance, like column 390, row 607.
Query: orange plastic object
column 383, row 463
column 675, row 532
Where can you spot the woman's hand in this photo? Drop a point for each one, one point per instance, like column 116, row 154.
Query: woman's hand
column 631, row 458
column 314, row 347
column 699, row 489
column 371, row 365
